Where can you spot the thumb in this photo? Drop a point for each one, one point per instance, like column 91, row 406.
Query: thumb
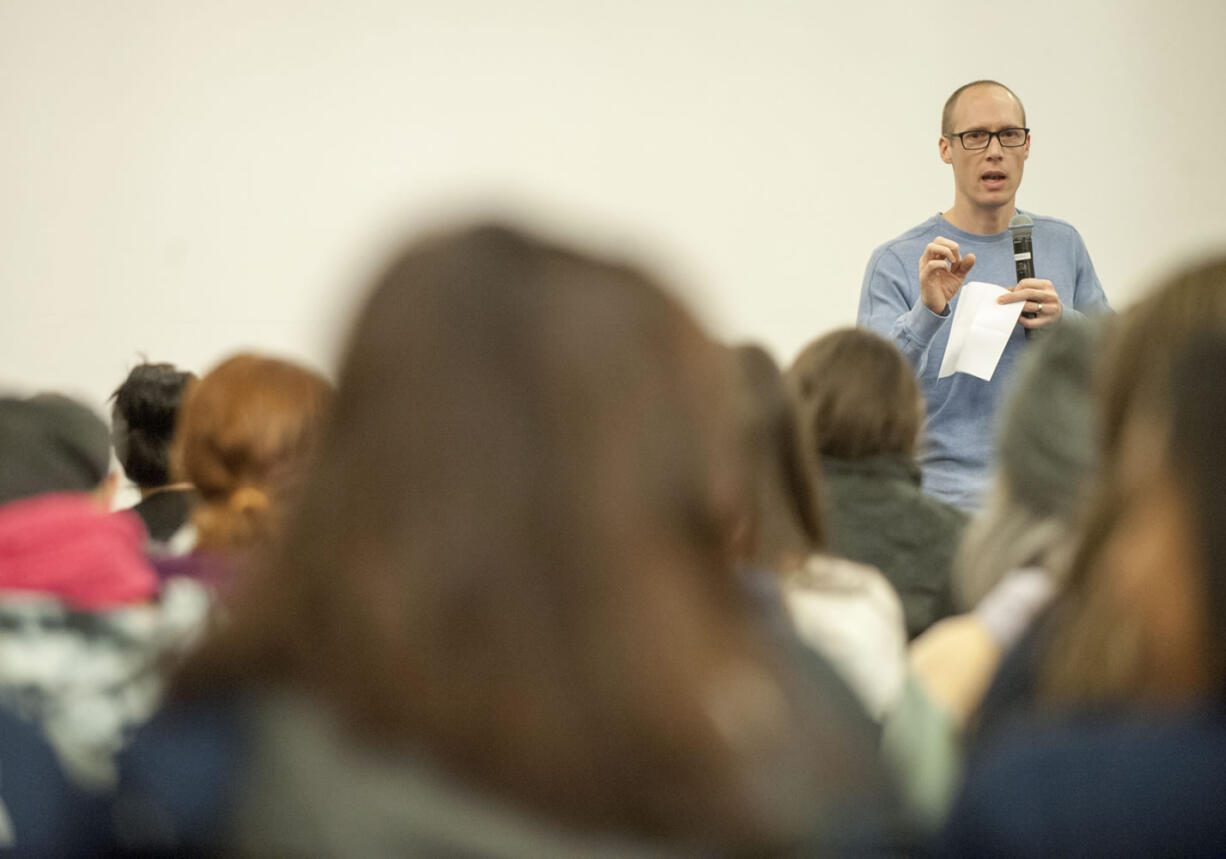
column 964, row 264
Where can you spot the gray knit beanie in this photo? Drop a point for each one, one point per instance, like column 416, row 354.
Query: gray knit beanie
column 1047, row 446
column 50, row 443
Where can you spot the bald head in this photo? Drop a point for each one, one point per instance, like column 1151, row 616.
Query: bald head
column 951, row 103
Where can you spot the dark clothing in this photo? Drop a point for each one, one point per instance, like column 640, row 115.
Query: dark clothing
column 877, row 515
column 165, row 512
column 41, row 812
column 1098, row 786
column 275, row 773
column 1013, row 694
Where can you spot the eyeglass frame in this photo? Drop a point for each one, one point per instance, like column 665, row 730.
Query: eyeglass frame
column 990, row 134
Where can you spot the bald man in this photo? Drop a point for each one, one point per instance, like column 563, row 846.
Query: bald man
column 912, row 283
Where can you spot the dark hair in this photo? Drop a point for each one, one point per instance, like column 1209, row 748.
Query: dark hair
column 143, row 421
column 857, row 396
column 246, row 433
column 50, row 443
column 787, row 521
column 947, row 114
column 510, row 559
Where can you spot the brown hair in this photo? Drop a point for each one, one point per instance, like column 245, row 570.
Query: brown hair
column 244, row 435
column 857, row 396
column 511, row 557
column 1098, row 650
column 951, row 103
column 787, row 521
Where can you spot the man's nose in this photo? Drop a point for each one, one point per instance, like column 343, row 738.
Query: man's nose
column 995, row 150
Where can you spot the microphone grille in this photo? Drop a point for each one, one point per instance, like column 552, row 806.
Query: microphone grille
column 1021, row 222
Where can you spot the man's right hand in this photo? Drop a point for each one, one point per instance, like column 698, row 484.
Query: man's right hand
column 942, row 269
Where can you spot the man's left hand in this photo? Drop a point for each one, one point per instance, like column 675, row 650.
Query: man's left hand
column 1041, row 299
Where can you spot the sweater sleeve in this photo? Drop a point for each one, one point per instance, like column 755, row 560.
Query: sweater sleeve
column 890, row 305
column 1088, row 295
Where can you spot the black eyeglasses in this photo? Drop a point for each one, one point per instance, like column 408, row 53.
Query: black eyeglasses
column 980, row 139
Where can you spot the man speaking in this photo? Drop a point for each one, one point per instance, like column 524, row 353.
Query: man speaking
column 911, row 285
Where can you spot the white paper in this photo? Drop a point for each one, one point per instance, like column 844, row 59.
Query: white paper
column 981, row 328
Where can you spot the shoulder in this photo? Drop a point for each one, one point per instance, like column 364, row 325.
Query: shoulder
column 918, row 236
column 1047, row 780
column 826, row 577
column 1056, row 227
column 945, row 515
column 178, row 774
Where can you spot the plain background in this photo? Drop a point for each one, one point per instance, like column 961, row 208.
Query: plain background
column 181, row 179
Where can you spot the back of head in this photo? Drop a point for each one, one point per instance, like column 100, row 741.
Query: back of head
column 1046, row 455
column 143, row 421
column 50, row 443
column 787, row 518
column 1146, row 350
column 857, row 397
column 510, row 558
column 245, row 434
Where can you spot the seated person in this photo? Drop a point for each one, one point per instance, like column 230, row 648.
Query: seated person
column 1124, row 752
column 142, row 427
column 846, row 611
column 502, row 618
column 82, row 616
column 246, row 432
column 861, row 414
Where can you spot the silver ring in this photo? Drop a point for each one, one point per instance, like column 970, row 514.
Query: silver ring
column 1039, row 309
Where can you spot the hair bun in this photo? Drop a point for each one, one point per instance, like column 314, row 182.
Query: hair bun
column 248, row 498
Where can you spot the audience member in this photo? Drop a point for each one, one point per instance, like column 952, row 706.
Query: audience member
column 142, row 427
column 846, row 611
column 245, row 435
column 81, row 618
column 861, row 414
column 1138, row 771
column 1135, row 375
column 503, row 620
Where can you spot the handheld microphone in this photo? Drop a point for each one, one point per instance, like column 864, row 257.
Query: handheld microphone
column 1023, row 253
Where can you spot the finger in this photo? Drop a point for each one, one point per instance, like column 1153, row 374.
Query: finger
column 944, row 242
column 936, row 265
column 1036, row 283
column 965, row 265
column 935, row 250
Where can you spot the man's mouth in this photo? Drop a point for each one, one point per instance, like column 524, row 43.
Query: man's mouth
column 993, row 176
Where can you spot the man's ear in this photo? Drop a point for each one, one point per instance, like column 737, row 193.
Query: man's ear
column 946, row 149
column 105, row 493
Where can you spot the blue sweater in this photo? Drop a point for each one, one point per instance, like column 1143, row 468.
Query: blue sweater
column 960, row 429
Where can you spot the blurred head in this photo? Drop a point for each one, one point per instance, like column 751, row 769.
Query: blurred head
column 245, row 435
column 511, row 558
column 1140, row 623
column 1046, row 456
column 50, row 443
column 143, row 421
column 785, row 525
column 856, row 396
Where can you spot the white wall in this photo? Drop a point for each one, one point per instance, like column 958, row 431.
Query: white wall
column 181, row 179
